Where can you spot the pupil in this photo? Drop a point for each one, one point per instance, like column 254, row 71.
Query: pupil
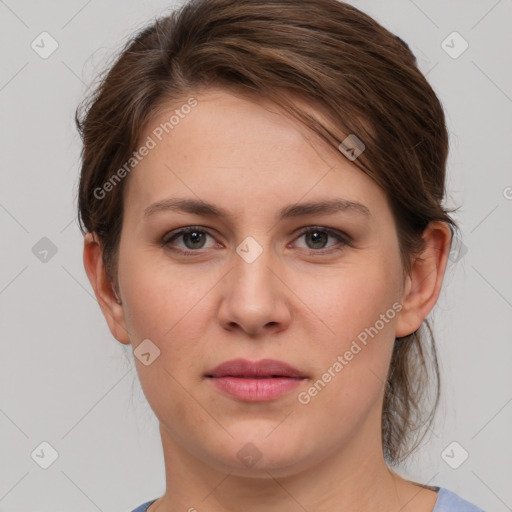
column 194, row 236
column 317, row 237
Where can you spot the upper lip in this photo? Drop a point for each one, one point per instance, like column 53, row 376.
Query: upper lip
column 256, row 369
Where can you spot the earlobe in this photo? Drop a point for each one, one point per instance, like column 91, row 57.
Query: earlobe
column 423, row 284
column 103, row 287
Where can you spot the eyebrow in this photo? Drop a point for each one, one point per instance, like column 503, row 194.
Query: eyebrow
column 200, row 207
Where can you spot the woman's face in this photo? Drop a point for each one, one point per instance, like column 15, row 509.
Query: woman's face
column 251, row 285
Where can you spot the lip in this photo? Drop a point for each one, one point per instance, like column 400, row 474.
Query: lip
column 257, row 369
column 255, row 381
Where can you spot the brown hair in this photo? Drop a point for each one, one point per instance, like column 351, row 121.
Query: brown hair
column 340, row 61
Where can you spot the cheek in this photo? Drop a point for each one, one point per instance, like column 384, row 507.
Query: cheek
column 348, row 301
column 167, row 306
column 351, row 361
column 159, row 297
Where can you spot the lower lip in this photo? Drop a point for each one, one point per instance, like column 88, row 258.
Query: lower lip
column 256, row 390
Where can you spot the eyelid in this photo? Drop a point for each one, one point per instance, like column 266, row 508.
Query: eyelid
column 340, row 235
column 176, row 233
column 343, row 238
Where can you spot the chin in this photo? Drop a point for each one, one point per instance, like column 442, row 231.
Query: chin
column 255, row 453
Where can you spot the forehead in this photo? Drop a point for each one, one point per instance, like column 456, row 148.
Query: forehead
column 238, row 149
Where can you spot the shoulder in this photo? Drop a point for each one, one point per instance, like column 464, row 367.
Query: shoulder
column 144, row 506
column 448, row 501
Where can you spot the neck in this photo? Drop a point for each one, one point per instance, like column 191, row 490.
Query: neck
column 355, row 478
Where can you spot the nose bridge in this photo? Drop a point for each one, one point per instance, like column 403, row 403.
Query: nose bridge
column 254, row 297
column 252, row 277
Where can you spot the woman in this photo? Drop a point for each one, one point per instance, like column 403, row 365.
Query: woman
column 261, row 197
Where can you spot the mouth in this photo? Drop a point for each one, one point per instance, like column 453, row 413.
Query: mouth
column 255, row 381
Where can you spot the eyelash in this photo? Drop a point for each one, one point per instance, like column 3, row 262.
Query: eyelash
column 342, row 238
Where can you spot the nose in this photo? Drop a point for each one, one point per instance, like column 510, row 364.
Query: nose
column 255, row 298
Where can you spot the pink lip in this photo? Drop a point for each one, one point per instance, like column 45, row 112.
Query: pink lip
column 257, row 381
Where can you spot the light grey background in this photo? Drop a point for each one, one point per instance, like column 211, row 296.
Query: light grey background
column 65, row 380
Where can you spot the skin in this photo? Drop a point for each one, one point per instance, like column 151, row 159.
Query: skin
column 300, row 302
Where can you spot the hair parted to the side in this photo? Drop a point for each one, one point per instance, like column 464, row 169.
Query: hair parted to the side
column 342, row 63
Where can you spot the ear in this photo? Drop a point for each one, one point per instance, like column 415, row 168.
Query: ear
column 107, row 297
column 423, row 284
